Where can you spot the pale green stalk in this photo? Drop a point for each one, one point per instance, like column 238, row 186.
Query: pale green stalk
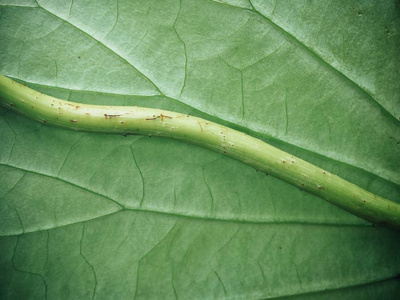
column 238, row 145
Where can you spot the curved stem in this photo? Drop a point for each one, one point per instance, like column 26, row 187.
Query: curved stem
column 238, row 145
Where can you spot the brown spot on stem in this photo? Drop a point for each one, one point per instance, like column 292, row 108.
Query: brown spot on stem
column 151, row 119
column 73, row 121
column 164, row 116
column 111, row 116
column 320, row 187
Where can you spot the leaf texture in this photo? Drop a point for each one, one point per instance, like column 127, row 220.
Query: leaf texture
column 103, row 216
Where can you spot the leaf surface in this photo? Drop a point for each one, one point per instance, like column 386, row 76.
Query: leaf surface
column 105, row 216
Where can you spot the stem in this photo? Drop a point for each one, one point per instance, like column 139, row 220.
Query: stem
column 238, row 145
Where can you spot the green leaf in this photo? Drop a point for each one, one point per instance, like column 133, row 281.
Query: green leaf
column 106, row 216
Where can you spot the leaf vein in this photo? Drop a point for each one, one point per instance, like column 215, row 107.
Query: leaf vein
column 121, row 208
column 324, row 62
column 105, row 46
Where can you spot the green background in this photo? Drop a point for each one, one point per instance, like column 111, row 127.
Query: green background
column 97, row 216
